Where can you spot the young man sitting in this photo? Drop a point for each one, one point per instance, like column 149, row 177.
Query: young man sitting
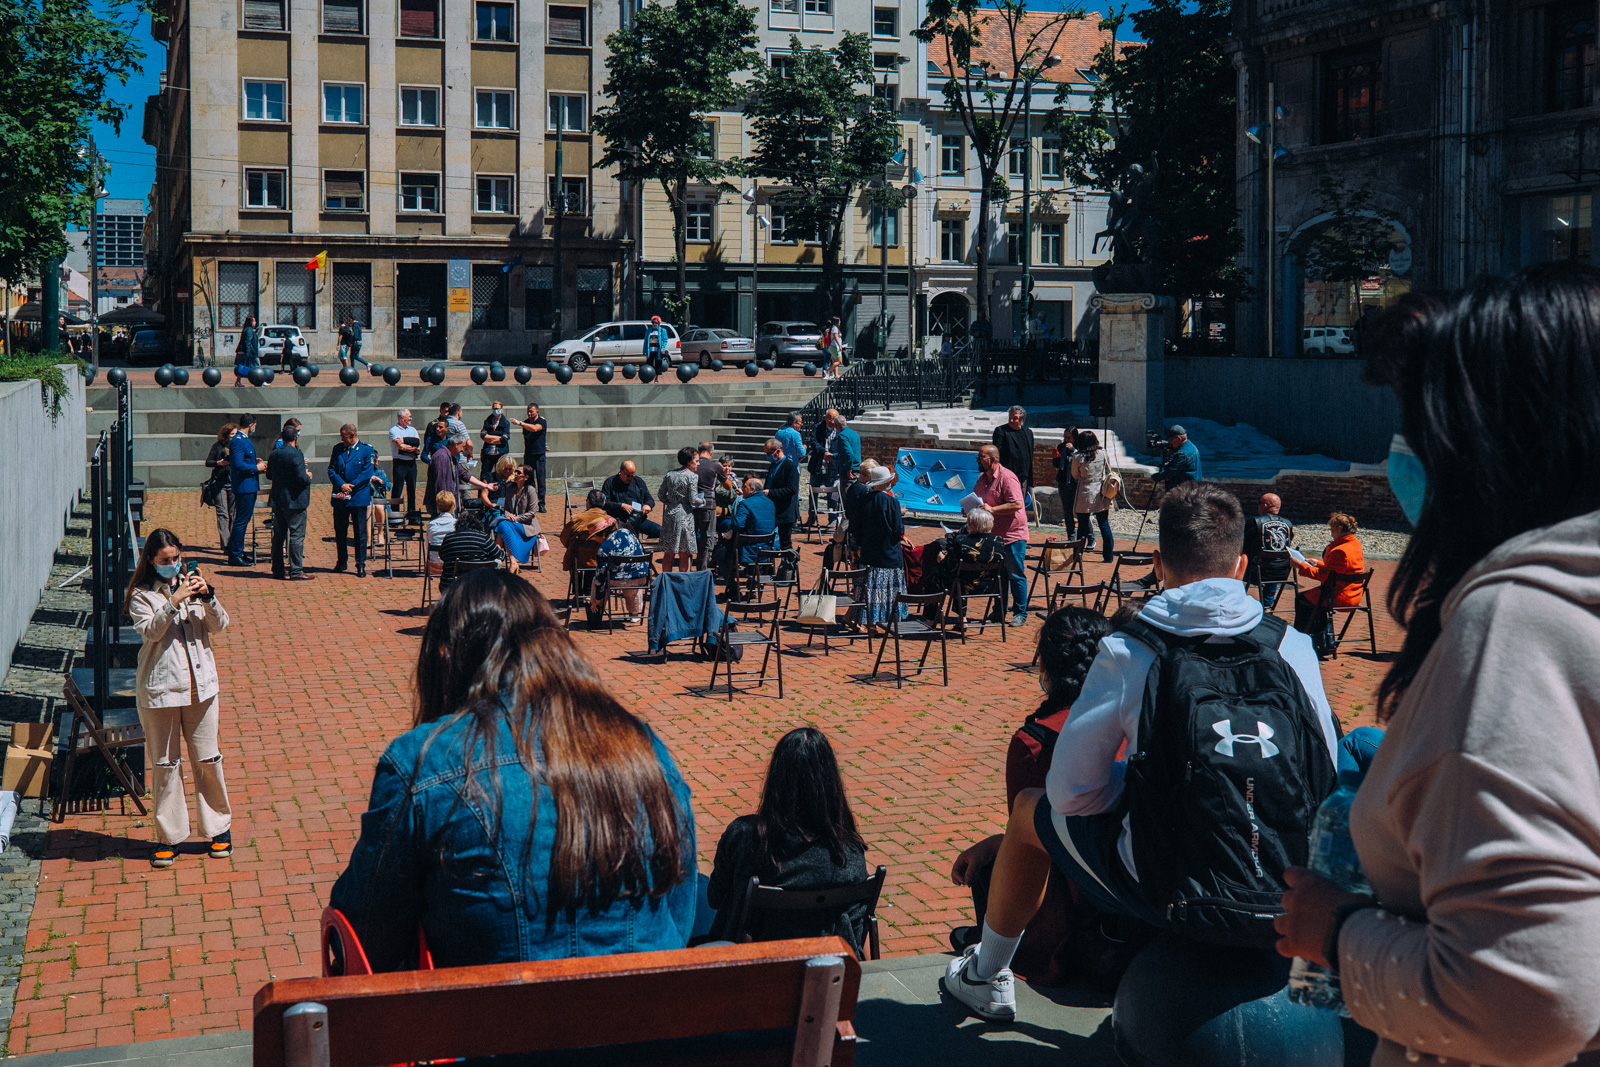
column 1126, row 849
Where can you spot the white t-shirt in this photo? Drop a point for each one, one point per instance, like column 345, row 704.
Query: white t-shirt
column 398, row 433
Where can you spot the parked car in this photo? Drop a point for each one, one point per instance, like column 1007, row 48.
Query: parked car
column 618, row 342
column 706, row 344
column 149, row 346
column 1327, row 340
column 788, row 342
column 273, row 341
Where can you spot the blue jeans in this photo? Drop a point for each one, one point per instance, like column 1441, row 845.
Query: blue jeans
column 355, row 356
column 1017, row 571
column 244, row 509
column 1104, row 518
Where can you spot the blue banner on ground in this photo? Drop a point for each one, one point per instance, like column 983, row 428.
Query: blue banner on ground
column 933, row 482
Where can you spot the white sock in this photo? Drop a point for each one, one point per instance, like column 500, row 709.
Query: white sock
column 994, row 954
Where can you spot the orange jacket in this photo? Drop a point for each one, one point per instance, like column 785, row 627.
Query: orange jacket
column 1344, row 556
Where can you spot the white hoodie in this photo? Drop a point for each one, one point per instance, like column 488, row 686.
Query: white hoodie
column 1082, row 779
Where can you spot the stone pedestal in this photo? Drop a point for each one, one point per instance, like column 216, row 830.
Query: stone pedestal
column 1133, row 333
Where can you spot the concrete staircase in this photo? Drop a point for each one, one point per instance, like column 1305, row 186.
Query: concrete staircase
column 593, row 427
column 743, row 434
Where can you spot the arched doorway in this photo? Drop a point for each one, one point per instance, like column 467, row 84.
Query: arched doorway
column 1339, row 271
column 949, row 314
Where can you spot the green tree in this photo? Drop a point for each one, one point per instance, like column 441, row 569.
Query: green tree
column 664, row 72
column 818, row 128
column 988, row 97
column 1352, row 245
column 59, row 58
column 1172, row 100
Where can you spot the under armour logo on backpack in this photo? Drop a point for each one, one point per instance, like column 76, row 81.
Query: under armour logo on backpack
column 1262, row 737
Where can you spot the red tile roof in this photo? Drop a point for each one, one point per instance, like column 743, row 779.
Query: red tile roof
column 1077, row 42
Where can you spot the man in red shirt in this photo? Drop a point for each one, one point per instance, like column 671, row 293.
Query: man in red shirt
column 1001, row 493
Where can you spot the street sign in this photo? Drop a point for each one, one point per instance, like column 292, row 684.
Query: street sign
column 183, row 294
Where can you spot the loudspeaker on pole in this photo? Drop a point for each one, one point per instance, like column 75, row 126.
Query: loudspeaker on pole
column 1103, row 400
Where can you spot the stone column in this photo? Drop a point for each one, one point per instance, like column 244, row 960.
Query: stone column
column 1133, row 334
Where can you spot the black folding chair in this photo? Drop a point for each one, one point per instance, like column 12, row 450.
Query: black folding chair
column 570, row 485
column 826, row 905
column 768, row 582
column 617, row 588
column 913, row 628
column 1125, row 588
column 1088, row 594
column 741, row 579
column 988, row 582
column 1279, row 562
column 839, row 584
column 768, row 641
column 1049, row 563
column 1335, row 585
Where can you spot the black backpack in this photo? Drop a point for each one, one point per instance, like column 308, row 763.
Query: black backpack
column 1230, row 770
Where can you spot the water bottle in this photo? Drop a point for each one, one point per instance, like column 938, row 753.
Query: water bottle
column 1333, row 855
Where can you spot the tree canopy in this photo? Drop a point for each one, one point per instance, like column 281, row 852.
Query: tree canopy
column 59, row 57
column 1171, row 99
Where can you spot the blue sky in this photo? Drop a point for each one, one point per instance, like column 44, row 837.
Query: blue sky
column 133, row 163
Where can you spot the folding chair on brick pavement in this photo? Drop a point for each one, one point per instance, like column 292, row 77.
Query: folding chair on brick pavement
column 913, row 628
column 1363, row 606
column 989, row 583
column 770, row 642
column 87, row 732
column 1122, row 587
column 839, row 584
column 1056, row 556
column 581, row 486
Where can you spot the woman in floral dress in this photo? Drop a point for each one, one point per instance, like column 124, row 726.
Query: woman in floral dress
column 677, row 495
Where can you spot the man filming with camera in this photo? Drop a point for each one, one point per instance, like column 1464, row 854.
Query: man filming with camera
column 1180, row 459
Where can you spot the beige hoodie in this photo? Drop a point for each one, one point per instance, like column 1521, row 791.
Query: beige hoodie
column 1479, row 824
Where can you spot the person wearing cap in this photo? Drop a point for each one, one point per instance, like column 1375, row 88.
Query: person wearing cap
column 878, row 526
column 1181, row 461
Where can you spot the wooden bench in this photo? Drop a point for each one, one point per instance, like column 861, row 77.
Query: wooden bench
column 774, row 1002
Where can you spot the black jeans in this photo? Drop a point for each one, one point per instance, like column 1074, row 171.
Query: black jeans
column 1308, row 615
column 785, row 534
column 405, row 475
column 536, row 461
column 343, row 516
column 288, row 531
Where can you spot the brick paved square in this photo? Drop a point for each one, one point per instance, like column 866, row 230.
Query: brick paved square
column 316, row 680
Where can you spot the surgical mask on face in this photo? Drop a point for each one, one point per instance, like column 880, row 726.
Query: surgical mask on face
column 497, row 411
column 168, row 571
column 1407, row 478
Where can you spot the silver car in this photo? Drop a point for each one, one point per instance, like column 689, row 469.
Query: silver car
column 705, row 344
column 614, row 342
column 790, row 342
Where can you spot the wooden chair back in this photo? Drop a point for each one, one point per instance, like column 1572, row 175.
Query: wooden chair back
column 793, row 1001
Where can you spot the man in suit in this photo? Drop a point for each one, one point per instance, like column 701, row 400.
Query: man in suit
column 245, row 470
column 291, row 496
column 783, row 489
column 710, row 472
column 351, row 469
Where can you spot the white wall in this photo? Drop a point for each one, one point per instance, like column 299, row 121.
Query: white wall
column 41, row 471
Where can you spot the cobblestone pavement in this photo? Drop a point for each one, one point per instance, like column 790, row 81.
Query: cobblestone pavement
column 315, row 683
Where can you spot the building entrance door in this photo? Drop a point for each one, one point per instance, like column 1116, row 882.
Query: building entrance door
column 420, row 308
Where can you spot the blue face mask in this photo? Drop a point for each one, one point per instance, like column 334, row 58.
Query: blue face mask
column 1407, row 478
column 168, row 571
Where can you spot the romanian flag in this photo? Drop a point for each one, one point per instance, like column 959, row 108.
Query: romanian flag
column 317, row 262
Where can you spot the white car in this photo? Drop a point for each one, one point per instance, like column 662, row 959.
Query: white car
column 616, row 342
column 706, row 344
column 273, row 341
column 1328, row 340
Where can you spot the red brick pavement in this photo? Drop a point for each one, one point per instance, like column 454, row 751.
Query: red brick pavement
column 315, row 683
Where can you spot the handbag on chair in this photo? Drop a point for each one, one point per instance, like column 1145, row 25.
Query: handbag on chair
column 818, row 608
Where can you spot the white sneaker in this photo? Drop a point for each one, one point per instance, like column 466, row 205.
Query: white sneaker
column 994, row 999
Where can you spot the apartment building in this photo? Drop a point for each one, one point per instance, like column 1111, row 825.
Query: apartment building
column 119, row 233
column 414, row 142
column 742, row 273
column 1463, row 125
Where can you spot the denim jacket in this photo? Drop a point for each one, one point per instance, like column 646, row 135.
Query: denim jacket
column 424, row 857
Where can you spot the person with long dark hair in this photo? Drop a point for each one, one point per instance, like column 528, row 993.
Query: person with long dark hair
column 1477, row 822
column 1091, row 468
column 176, row 611
column 802, row 837
column 527, row 815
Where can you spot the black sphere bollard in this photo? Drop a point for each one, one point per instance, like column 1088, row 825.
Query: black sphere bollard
column 629, row 371
column 647, row 374
column 314, row 368
column 180, row 375
column 563, row 374
column 349, row 375
column 211, row 376
column 751, row 369
column 767, row 364
column 164, row 375
column 391, row 375
column 302, row 376
column 810, row 370
column 267, row 374
column 480, row 374
column 605, row 372
column 497, row 371
column 254, row 376
column 524, row 374
column 716, row 366
column 116, row 375
column 375, row 369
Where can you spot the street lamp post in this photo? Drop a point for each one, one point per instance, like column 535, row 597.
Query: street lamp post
column 1267, row 137
column 559, row 284
column 1026, row 331
column 909, row 191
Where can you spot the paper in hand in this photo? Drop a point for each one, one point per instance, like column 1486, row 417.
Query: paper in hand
column 1297, row 555
column 970, row 501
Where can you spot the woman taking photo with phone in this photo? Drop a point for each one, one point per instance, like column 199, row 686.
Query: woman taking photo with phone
column 176, row 612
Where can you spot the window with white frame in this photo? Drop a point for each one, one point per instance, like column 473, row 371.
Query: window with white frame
column 343, row 16
column 699, row 221
column 569, row 111
column 419, row 105
column 266, row 188
column 881, row 219
column 886, row 22
column 1050, row 158
column 567, row 25
column 264, row 101
column 494, row 195
column 785, row 7
column 709, row 149
column 888, row 93
column 495, row 109
column 341, row 102
column 953, row 240
column 419, row 192
column 344, row 190
column 778, row 229
column 782, row 63
column 952, row 154
column 819, row 7
column 496, row 21
column 1050, row 244
column 577, row 194
column 1017, row 158
column 1013, row 242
